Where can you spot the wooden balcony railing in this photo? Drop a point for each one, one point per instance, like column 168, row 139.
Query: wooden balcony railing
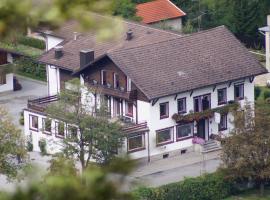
column 136, row 128
column 40, row 104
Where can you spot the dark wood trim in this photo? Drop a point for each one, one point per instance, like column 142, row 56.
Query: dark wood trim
column 251, row 79
column 191, row 92
column 168, row 142
column 175, row 97
column 30, row 126
column 167, row 110
column 214, row 88
column 230, row 83
column 207, row 94
column 184, row 138
column 155, row 101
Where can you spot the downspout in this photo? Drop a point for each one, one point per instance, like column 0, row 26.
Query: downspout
column 148, row 146
column 267, row 45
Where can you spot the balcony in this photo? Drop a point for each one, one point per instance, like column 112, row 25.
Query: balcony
column 115, row 92
column 135, row 128
column 40, row 104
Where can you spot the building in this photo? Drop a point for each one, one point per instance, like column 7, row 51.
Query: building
column 160, row 82
column 161, row 13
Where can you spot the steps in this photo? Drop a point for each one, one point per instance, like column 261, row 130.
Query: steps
column 210, row 146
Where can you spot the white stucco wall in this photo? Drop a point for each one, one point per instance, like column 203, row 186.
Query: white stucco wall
column 52, row 41
column 174, row 24
column 9, row 84
column 53, row 80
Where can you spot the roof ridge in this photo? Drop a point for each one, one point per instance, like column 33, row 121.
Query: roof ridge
column 183, row 36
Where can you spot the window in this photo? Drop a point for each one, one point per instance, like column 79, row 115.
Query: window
column 223, row 122
column 116, row 81
column 202, row 103
column 72, row 132
column 60, row 129
column 222, row 96
column 47, row 125
column 128, row 84
column 129, row 109
column 103, row 77
column 164, row 110
column 181, row 105
column 239, row 91
column 136, row 142
column 117, row 107
column 164, row 136
column 184, row 131
column 33, row 120
column 2, row 78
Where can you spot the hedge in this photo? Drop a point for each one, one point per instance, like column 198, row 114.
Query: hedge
column 207, row 187
column 32, row 42
column 258, row 91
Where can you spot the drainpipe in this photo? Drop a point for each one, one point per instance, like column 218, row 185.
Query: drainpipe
column 267, row 45
column 148, row 146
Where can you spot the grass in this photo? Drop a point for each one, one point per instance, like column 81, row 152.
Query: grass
column 22, row 49
column 251, row 195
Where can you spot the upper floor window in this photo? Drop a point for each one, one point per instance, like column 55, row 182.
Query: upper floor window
column 164, row 136
column 222, row 96
column 223, row 122
column 164, row 110
column 116, row 81
column 103, row 77
column 181, row 105
column 239, row 91
column 202, row 103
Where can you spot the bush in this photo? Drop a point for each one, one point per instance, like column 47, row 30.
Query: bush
column 29, row 146
column 21, row 120
column 42, row 145
column 257, row 92
column 32, row 42
column 207, row 187
column 266, row 94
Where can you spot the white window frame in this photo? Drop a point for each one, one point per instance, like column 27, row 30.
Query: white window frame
column 168, row 141
column 44, row 126
column 142, row 135
column 184, row 137
column 31, row 123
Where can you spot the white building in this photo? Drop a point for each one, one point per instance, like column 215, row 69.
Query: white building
column 154, row 79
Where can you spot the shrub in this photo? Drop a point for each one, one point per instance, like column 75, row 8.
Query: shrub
column 257, row 92
column 266, row 94
column 32, row 42
column 29, row 146
column 207, row 187
column 21, row 120
column 42, row 145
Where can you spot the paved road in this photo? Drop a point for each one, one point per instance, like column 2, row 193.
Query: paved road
column 15, row 102
column 179, row 173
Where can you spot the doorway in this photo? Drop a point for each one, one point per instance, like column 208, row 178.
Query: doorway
column 201, row 128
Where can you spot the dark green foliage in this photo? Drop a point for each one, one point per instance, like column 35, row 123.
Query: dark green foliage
column 207, row 187
column 125, row 9
column 43, row 145
column 257, row 92
column 32, row 42
column 21, row 120
column 29, row 146
column 266, row 94
column 29, row 67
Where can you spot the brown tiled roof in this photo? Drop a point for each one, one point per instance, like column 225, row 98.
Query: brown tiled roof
column 186, row 63
column 142, row 35
column 158, row 10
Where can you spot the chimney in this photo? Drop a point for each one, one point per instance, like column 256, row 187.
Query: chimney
column 75, row 35
column 58, row 52
column 129, row 35
column 267, row 44
column 86, row 56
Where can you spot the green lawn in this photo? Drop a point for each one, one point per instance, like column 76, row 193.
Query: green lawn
column 251, row 195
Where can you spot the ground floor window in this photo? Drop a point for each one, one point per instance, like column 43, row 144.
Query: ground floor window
column 164, row 136
column 60, row 129
column 184, row 131
column 136, row 142
column 47, row 125
column 33, row 122
column 223, row 122
column 2, row 78
column 72, row 132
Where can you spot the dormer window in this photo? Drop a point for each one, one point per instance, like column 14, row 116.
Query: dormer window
column 116, row 81
column 103, row 77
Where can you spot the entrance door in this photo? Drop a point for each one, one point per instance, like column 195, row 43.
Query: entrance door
column 201, row 128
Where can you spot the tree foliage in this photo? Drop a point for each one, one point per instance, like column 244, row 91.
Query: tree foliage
column 12, row 150
column 90, row 137
column 246, row 153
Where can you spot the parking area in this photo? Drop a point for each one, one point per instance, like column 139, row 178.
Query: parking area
column 16, row 101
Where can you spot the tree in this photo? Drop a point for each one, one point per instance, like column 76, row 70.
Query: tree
column 32, row 14
column 90, row 134
column 12, row 151
column 246, row 153
column 125, row 9
column 95, row 183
